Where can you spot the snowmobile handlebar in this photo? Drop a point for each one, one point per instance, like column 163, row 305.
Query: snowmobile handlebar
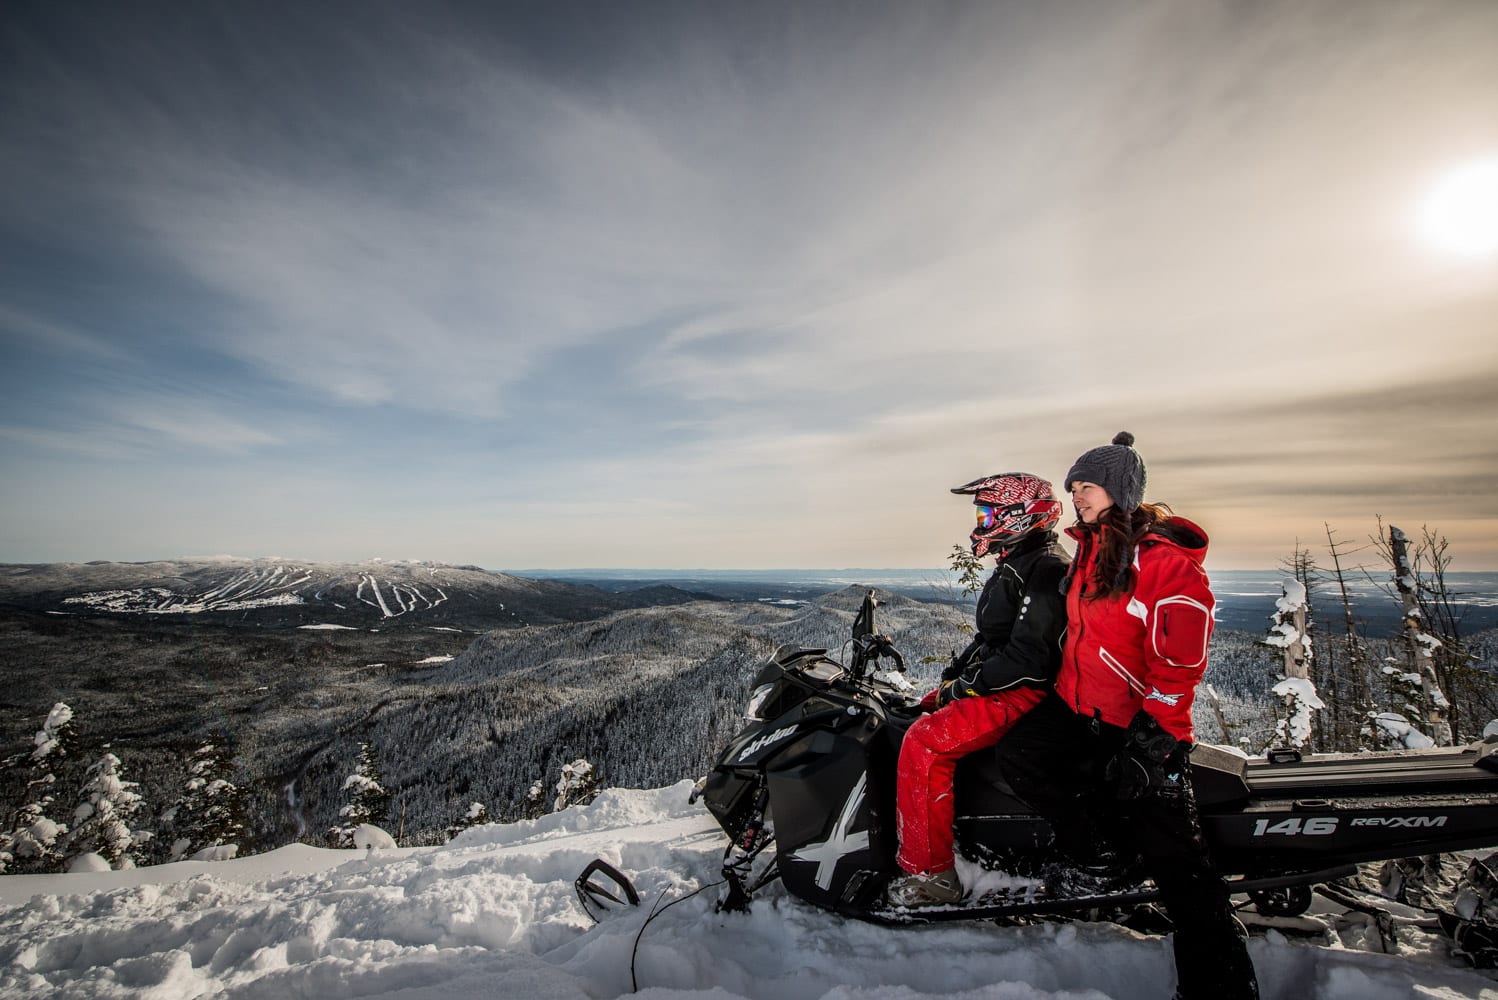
column 864, row 624
column 869, row 645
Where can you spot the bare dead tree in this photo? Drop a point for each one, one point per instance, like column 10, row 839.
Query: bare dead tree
column 1470, row 690
column 1421, row 645
column 1349, row 715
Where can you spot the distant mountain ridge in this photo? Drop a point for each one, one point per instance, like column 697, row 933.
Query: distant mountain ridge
column 289, row 593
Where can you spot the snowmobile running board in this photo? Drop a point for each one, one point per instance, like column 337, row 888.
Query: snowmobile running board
column 1025, row 902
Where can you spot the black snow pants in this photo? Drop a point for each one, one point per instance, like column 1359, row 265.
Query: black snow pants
column 1055, row 760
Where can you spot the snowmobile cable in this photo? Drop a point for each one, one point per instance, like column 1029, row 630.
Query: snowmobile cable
column 594, row 896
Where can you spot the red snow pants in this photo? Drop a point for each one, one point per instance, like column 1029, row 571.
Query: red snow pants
column 924, row 808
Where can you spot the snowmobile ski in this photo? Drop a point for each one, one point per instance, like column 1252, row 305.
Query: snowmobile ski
column 595, row 897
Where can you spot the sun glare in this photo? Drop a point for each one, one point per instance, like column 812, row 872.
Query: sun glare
column 1460, row 214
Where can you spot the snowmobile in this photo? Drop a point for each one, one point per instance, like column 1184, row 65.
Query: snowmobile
column 810, row 780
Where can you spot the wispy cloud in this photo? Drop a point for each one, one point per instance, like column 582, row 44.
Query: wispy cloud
column 734, row 253
column 54, row 337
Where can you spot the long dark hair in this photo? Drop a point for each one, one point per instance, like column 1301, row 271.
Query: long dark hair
column 1113, row 571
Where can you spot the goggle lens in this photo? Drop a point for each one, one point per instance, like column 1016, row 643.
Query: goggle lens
column 987, row 516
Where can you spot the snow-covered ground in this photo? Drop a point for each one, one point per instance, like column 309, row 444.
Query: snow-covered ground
column 493, row 914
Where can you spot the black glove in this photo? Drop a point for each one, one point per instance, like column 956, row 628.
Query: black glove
column 968, row 685
column 1152, row 762
column 960, row 662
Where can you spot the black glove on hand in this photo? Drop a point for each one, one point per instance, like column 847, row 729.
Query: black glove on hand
column 966, row 685
column 1152, row 762
column 959, row 662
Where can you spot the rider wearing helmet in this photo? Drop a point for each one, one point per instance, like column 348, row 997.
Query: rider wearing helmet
column 1004, row 672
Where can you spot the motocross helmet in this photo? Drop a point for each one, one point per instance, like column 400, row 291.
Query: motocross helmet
column 1010, row 506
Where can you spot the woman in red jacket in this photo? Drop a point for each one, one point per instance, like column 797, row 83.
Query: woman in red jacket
column 1104, row 758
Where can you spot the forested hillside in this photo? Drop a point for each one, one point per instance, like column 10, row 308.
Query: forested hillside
column 646, row 696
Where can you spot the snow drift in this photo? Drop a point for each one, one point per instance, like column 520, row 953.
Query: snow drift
column 493, row 914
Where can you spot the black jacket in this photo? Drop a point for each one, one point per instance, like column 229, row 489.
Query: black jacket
column 1021, row 619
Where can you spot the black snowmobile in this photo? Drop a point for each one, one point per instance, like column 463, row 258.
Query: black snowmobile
column 812, row 776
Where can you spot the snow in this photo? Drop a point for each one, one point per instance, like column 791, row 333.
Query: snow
column 1398, row 728
column 1301, row 698
column 255, row 587
column 88, row 862
column 47, row 738
column 328, row 626
column 1293, row 598
column 493, row 914
column 368, row 837
column 1282, row 635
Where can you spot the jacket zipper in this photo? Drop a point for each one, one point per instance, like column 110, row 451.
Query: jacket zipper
column 1076, row 665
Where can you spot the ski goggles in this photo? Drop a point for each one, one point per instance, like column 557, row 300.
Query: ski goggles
column 989, row 515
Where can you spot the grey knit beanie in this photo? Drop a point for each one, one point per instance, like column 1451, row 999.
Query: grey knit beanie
column 1117, row 468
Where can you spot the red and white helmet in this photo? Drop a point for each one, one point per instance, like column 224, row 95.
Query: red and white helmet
column 1010, row 506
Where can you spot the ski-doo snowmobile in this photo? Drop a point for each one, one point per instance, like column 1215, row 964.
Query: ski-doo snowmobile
column 812, row 776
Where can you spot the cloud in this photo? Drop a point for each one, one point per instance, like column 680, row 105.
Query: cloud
column 125, row 425
column 762, row 253
column 41, row 333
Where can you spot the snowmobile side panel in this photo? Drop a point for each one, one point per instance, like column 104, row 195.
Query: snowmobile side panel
column 827, row 828
column 730, row 797
column 1290, row 833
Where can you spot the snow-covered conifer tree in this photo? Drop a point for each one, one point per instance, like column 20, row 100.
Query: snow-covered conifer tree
column 32, row 838
column 210, row 812
column 55, row 740
column 535, row 800
column 101, row 821
column 578, row 785
column 368, row 802
column 477, row 814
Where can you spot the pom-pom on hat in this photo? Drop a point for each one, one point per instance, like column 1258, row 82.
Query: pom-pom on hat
column 1117, row 468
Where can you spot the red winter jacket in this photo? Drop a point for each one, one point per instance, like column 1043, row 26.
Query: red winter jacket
column 1146, row 649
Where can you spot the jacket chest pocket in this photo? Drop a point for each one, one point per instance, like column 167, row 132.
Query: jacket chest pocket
column 1179, row 631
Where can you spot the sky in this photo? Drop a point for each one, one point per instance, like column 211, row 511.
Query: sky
column 738, row 285
column 493, row 916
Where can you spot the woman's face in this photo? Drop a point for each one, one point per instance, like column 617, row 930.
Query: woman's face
column 1090, row 500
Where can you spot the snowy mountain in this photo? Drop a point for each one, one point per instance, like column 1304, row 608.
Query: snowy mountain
column 277, row 593
column 493, row 916
column 647, row 695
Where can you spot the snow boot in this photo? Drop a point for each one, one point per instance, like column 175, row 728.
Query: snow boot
column 936, row 889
